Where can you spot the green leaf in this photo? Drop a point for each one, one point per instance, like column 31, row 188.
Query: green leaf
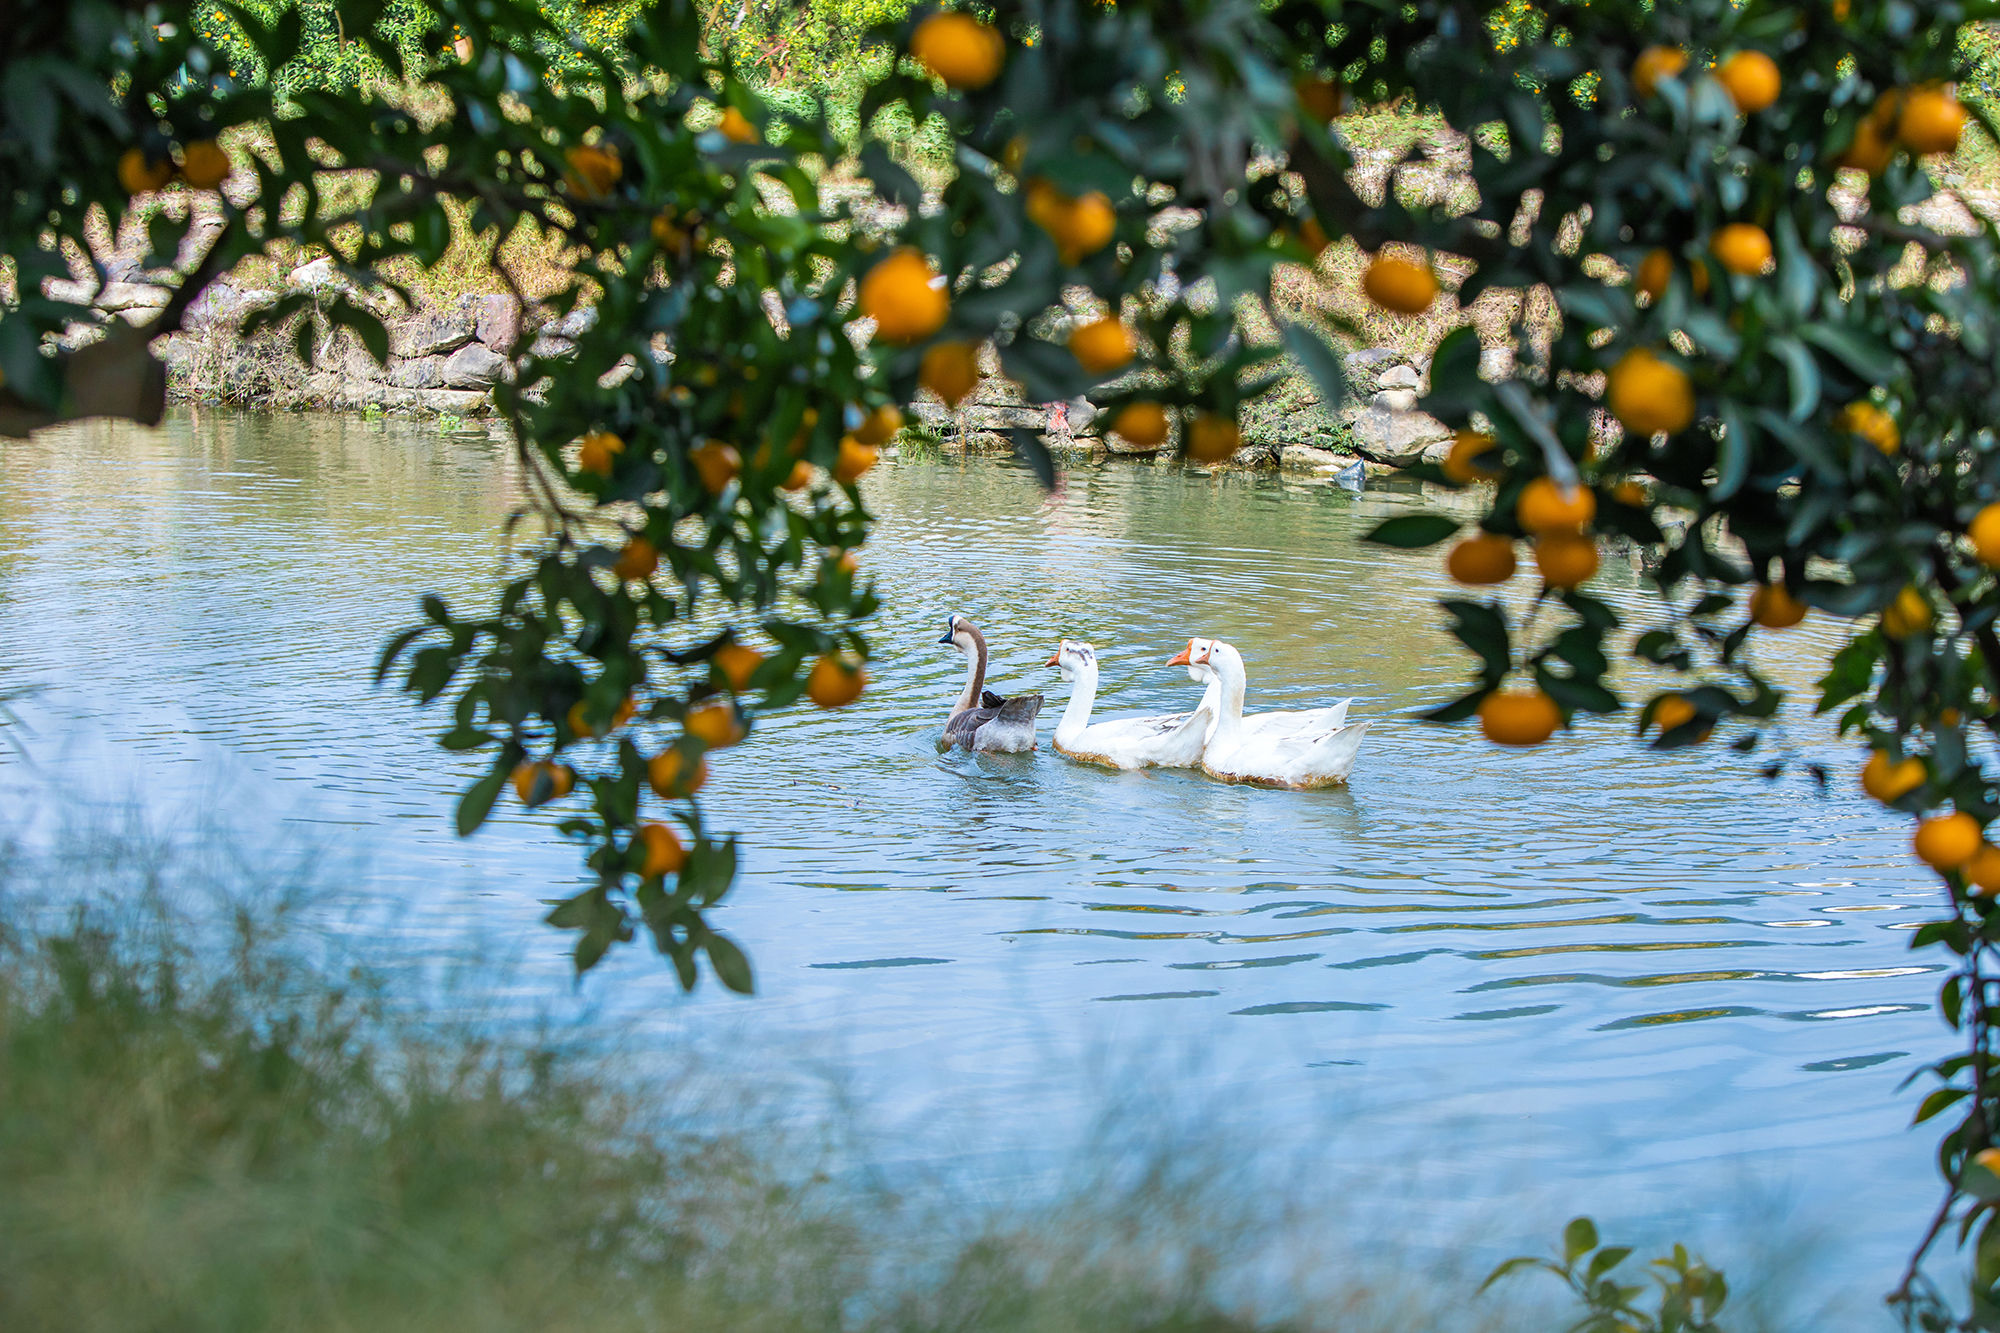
column 731, row 967
column 1579, row 1238
column 1605, row 1260
column 1939, row 1101
column 1320, row 362
column 477, row 803
column 1861, row 354
column 1412, row 531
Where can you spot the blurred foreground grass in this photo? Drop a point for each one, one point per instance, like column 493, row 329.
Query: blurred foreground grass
column 208, row 1122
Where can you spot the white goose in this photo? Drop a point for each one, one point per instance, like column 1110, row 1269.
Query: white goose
column 1132, row 742
column 1260, row 724
column 1304, row 753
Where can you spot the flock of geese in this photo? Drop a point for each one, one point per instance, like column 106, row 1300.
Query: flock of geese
column 1313, row 748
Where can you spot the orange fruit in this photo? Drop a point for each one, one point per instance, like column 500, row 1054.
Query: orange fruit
column 672, row 777
column 736, row 127
column 1890, row 782
column 833, row 683
column 1313, row 235
column 1947, row 842
column 1872, row 424
column 1101, row 346
column 1545, row 506
column 597, row 451
column 1871, row 150
column 1518, row 717
column 1742, row 248
column 1631, row 494
column 1985, row 533
column 637, row 561
column 1773, row 606
column 1751, row 79
column 799, row 477
column 950, row 370
column 1655, row 271
column 958, row 49
column 1673, row 710
column 1931, row 122
column 880, row 425
column 1212, row 438
column 1080, row 225
column 735, row 664
column 714, row 723
column 1984, row 872
column 905, row 299
column 667, row 229
column 1649, row 395
column 1143, row 423
column 1910, row 614
column 593, row 170
column 1482, row 559
column 717, row 464
column 854, row 459
column 1320, row 97
column 1566, row 559
column 1399, row 285
column 579, row 723
column 1463, row 465
column 204, row 165
column 661, row 852
column 554, row 781
column 139, row 174
column 1656, row 63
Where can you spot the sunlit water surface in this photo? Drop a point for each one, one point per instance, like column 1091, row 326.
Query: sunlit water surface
column 1468, row 995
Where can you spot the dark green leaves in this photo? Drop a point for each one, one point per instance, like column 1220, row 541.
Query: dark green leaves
column 1411, row 531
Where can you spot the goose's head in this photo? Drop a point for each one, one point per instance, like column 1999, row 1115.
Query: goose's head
column 1071, row 657
column 959, row 633
column 1195, row 657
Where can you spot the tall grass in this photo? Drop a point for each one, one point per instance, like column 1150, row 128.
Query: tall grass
column 210, row 1121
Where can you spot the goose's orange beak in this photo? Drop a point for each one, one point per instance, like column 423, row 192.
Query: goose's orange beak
column 1055, row 658
column 1181, row 658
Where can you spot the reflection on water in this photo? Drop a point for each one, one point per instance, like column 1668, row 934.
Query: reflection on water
column 202, row 604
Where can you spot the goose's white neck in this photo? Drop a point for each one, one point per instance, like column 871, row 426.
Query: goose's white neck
column 1227, row 679
column 975, row 671
column 1083, row 696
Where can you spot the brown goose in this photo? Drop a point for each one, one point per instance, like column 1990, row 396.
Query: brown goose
column 981, row 719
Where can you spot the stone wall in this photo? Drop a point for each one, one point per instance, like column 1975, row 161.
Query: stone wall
column 445, row 360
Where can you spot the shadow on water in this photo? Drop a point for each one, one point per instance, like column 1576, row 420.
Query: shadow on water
column 1586, row 978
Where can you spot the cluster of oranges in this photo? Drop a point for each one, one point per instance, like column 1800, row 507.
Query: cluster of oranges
column 203, row 165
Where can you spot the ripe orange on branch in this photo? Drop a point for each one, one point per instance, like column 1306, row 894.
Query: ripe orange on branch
column 1947, row 842
column 1546, row 505
column 597, row 451
column 672, row 777
column 1212, row 438
column 1463, row 464
column 1751, row 79
column 543, row 781
column 1142, row 423
column 716, row 463
column 204, row 165
column 1649, row 395
column 1773, row 606
column 1101, row 346
column 950, row 370
column 906, row 300
column 140, row 174
column 834, row 683
column 880, row 426
column 1908, row 615
column 1654, row 64
column 1518, row 717
column 1984, row 530
column 1932, row 121
column 637, row 560
column 1742, row 248
column 1872, row 424
column 958, row 49
column 1890, row 781
column 1483, row 559
column 1566, row 559
column 735, row 663
column 661, row 852
column 1400, row 285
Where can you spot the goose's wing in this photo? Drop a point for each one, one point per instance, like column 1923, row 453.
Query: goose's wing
column 1019, row 710
column 988, row 699
column 965, row 724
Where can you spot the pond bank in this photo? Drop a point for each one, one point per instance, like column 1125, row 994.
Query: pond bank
column 445, row 359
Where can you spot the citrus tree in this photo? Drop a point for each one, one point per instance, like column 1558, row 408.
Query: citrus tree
column 1748, row 344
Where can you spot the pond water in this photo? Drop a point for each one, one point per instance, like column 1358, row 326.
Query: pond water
column 1471, row 994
